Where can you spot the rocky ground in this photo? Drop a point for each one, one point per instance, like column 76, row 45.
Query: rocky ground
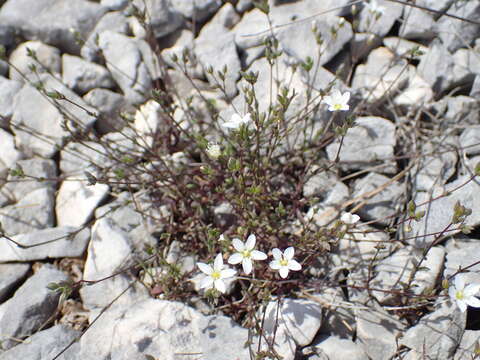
column 414, row 76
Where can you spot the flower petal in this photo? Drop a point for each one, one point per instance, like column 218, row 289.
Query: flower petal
column 277, row 254
column 345, row 97
column 235, row 259
column 258, row 255
column 471, row 290
column 250, row 243
column 294, row 265
column 238, row 244
column 227, row 273
column 452, row 292
column 206, row 282
column 247, row 266
column 461, row 305
column 473, row 301
column 220, row 285
column 328, row 100
column 247, row 118
column 205, row 268
column 283, row 272
column 459, row 282
column 275, row 265
column 289, row 252
column 218, row 263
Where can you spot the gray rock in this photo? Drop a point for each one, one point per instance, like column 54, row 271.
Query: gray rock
column 198, row 10
column 417, row 93
column 417, row 24
column 160, row 16
column 109, row 251
column 139, row 226
column 34, row 211
column 402, row 47
column 114, row 4
column 308, row 47
column 163, row 329
column 466, row 66
column 183, row 47
column 33, row 112
column 439, row 212
column 48, row 60
column 51, row 20
column 436, row 67
column 35, row 169
column 58, row 242
column 462, row 110
column 338, row 318
column 244, row 5
column 81, row 75
column 380, row 24
column 110, row 105
column 475, row 91
column 437, row 163
column 437, row 335
column 327, row 186
column 294, row 324
column 251, row 21
column 8, row 154
column 215, row 47
column 383, row 74
column 115, row 21
column 76, row 201
column 461, row 257
column 4, row 67
column 7, row 35
column 370, row 142
column 76, row 158
column 363, row 43
column 470, row 140
column 397, row 269
column 439, row 5
column 127, row 65
column 360, row 246
column 224, row 215
column 467, row 346
column 382, row 207
column 8, row 90
column 31, row 307
column 10, row 277
column 377, row 332
column 341, row 349
column 46, row 344
column 457, row 34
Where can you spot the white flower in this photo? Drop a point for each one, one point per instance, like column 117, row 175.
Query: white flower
column 213, row 150
column 336, row 101
column 246, row 253
column 236, row 121
column 349, row 219
column 464, row 295
column 374, row 8
column 284, row 261
column 215, row 274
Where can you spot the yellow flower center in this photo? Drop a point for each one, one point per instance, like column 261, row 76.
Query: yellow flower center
column 284, row 262
column 246, row 253
column 215, row 275
column 459, row 295
column 337, row 106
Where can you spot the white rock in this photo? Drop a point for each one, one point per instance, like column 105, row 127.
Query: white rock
column 35, row 211
column 372, row 140
column 8, row 154
column 382, row 75
column 35, row 113
column 436, row 67
column 197, row 10
column 109, row 251
column 369, row 22
column 8, row 90
column 377, row 332
column 163, row 329
column 417, row 24
column 58, row 242
column 160, row 16
column 76, row 201
column 470, row 140
column 341, row 349
column 437, row 334
column 48, row 56
column 81, row 75
column 297, row 324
